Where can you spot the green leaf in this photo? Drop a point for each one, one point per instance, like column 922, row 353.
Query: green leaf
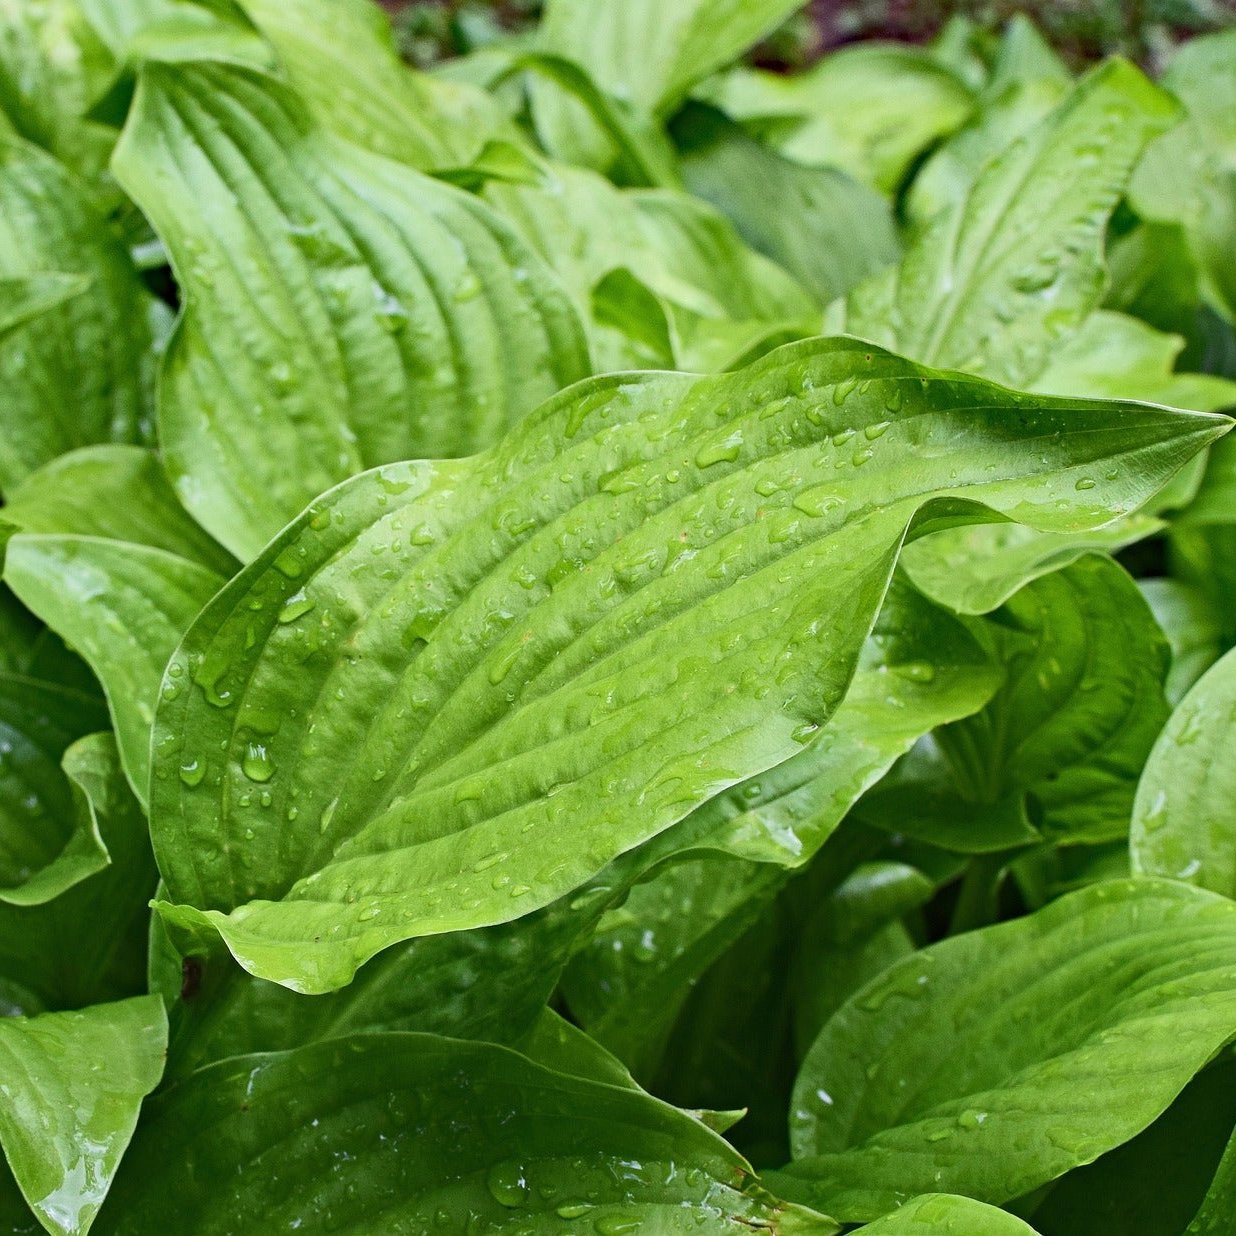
column 399, row 1130
column 111, row 562
column 1192, row 630
column 81, row 371
column 643, row 54
column 52, row 67
column 994, row 283
column 919, row 669
column 340, row 58
column 23, row 298
column 73, row 1085
column 1064, row 1034
column 1184, row 820
column 1216, row 1208
column 1028, row 79
column 672, row 247
column 936, row 1213
column 1081, row 706
column 1189, row 175
column 1155, row 1182
column 659, row 587
column 89, row 943
column 46, row 844
column 829, row 231
column 341, row 310
column 869, row 110
column 1204, row 557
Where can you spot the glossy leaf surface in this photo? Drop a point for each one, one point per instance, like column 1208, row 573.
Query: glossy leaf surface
column 634, row 544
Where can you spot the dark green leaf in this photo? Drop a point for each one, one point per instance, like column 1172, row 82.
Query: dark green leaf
column 994, row 1062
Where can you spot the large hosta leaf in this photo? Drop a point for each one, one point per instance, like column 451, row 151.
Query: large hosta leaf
column 996, row 1061
column 111, row 562
column 81, row 371
column 410, row 1132
column 73, row 1083
column 340, row 310
column 89, row 943
column 942, row 1214
column 1184, row 820
column 657, row 587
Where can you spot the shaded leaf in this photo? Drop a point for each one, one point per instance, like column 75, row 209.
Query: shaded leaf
column 415, row 1118
column 1066, row 1033
column 89, row 943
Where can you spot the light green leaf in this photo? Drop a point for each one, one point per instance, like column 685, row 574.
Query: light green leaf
column 1062, row 1035
column 659, row 588
column 673, row 248
column 994, row 283
column 1115, row 356
column 341, row 310
column 1189, row 175
column 340, row 58
column 89, row 943
column 939, row 1214
column 118, row 493
column 80, row 372
column 1215, row 500
column 52, row 68
column 1028, row 79
column 869, row 110
column 919, row 669
column 113, row 564
column 642, row 53
column 73, row 1084
column 46, row 844
column 1184, row 820
column 399, row 1130
column 1192, row 631
column 828, row 230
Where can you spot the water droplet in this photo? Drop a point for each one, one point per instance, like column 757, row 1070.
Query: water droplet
column 192, row 772
column 878, row 430
column 725, row 451
column 490, row 860
column 295, row 607
column 256, row 763
column 1084, row 484
column 573, row 1210
column 971, row 1119
column 508, row 1184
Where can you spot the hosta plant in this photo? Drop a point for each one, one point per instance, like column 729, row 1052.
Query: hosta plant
column 602, row 640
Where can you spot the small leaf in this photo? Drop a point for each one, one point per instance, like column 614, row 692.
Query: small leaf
column 1184, row 820
column 73, row 1085
column 399, row 1130
column 1064, row 1034
column 89, row 943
